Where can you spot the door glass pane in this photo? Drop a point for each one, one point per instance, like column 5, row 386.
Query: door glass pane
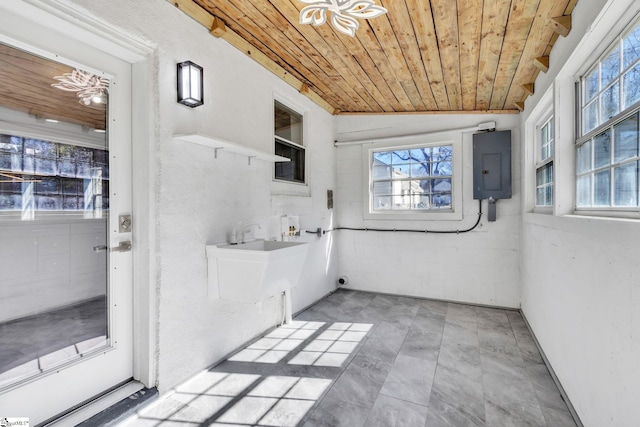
column 53, row 216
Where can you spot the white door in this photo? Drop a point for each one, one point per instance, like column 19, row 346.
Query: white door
column 66, row 329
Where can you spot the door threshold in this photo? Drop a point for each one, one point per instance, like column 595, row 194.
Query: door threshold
column 96, row 405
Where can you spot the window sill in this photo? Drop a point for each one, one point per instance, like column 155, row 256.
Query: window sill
column 287, row 188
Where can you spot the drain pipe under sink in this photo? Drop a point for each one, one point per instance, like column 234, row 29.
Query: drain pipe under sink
column 286, row 308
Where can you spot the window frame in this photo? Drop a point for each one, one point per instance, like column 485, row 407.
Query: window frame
column 302, row 147
column 546, row 162
column 453, row 214
column 602, row 127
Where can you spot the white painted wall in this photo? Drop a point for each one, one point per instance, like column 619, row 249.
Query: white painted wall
column 200, row 198
column 580, row 275
column 478, row 267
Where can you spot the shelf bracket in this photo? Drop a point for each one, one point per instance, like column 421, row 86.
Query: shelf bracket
column 215, row 153
column 249, row 159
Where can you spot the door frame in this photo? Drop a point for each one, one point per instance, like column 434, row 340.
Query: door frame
column 76, row 22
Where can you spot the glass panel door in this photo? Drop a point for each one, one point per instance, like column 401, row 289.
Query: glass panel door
column 54, row 207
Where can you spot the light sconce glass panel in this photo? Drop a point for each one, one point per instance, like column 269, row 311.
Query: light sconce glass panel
column 190, row 84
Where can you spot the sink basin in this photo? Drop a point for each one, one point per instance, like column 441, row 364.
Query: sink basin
column 254, row 271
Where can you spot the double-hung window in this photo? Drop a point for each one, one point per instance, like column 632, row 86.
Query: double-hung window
column 544, row 166
column 418, row 181
column 607, row 150
column 289, row 143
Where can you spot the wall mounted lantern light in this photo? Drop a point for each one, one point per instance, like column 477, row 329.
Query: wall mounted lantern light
column 190, row 84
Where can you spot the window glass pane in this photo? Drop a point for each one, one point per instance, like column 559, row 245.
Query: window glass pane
column 422, row 186
column 549, row 195
column 441, row 200
column 584, row 157
column 444, row 152
column 610, row 102
column 382, row 202
column 421, row 202
column 591, row 87
column 631, row 48
column 421, row 154
column 610, row 67
column 400, row 156
column 584, row 191
column 420, row 169
column 540, row 194
column 289, row 171
column 442, row 185
column 383, row 157
column 382, row 188
column 631, row 86
column 401, row 202
column 401, row 171
column 590, row 117
column 288, row 123
column 444, row 168
column 626, row 139
column 602, row 188
column 381, row 172
column 401, row 187
column 625, row 188
column 602, row 149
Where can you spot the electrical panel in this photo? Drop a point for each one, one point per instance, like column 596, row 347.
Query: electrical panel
column 492, row 165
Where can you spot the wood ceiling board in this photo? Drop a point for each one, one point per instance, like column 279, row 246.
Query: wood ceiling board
column 422, row 20
column 494, row 22
column 445, row 14
column 330, row 46
column 518, row 29
column 400, row 21
column 251, row 21
column 423, row 55
column 470, row 24
column 538, row 40
column 200, row 15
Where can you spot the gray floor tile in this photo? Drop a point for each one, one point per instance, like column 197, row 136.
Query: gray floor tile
column 384, row 342
column 558, row 418
column 390, row 412
column 361, row 381
column 546, row 389
column 461, row 359
column 511, row 401
column 410, row 379
column 422, row 363
column 456, row 400
column 335, row 413
column 421, row 344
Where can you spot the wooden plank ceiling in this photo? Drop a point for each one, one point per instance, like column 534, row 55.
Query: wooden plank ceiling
column 422, row 56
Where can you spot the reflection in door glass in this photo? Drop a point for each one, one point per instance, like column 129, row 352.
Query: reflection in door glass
column 54, row 204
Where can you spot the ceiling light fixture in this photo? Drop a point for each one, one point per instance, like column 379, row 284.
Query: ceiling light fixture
column 88, row 86
column 344, row 13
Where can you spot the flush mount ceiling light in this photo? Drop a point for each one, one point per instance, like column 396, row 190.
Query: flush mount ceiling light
column 190, row 84
column 344, row 13
column 90, row 88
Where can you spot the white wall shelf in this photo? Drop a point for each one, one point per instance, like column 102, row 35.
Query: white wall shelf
column 220, row 144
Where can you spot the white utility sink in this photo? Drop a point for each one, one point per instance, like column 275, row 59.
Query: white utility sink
column 254, row 271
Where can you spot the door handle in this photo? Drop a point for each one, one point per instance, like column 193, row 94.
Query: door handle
column 122, row 247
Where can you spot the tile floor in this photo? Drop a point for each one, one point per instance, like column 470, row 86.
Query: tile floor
column 361, row 359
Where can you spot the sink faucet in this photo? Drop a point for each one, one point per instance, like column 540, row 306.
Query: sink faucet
column 246, row 229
